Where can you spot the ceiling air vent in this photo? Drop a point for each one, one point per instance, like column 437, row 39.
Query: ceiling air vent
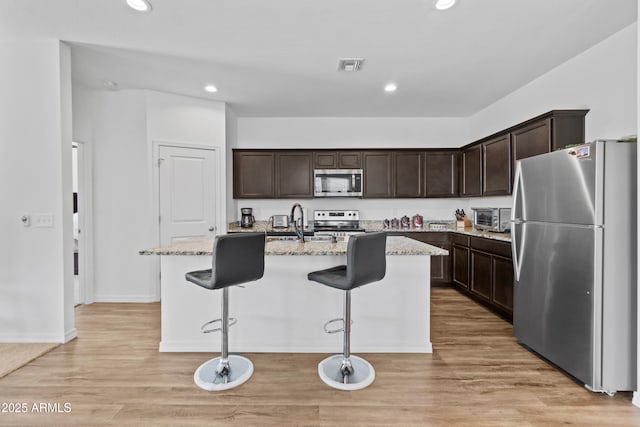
column 350, row 64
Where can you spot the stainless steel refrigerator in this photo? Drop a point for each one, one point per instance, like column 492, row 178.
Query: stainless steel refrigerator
column 574, row 255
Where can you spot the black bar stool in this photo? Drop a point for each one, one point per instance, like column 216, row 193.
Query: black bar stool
column 366, row 263
column 237, row 258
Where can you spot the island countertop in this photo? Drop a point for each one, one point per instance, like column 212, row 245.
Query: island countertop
column 396, row 245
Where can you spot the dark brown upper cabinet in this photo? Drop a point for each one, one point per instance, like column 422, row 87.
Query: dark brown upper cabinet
column 472, row 171
column 294, row 174
column 254, row 174
column 441, row 173
column 349, row 160
column 546, row 133
column 532, row 140
column 325, row 160
column 496, row 166
column 408, row 174
column 378, row 174
column 337, row 159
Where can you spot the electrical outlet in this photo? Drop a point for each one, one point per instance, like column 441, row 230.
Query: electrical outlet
column 42, row 220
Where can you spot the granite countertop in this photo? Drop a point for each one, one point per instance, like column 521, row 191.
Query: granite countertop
column 368, row 225
column 396, row 245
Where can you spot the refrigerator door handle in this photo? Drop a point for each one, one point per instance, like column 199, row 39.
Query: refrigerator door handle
column 516, row 222
column 516, row 211
column 517, row 257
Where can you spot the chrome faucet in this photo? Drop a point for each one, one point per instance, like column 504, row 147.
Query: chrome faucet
column 299, row 231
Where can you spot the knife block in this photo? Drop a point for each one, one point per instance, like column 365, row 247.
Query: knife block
column 464, row 223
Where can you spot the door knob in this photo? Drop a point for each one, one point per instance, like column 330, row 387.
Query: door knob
column 212, row 228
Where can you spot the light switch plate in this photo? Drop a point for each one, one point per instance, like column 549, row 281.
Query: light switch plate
column 42, row 220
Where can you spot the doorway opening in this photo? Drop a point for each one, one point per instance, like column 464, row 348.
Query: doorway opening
column 78, row 294
column 82, row 245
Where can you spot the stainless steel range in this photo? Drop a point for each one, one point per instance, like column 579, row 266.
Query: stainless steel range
column 337, row 223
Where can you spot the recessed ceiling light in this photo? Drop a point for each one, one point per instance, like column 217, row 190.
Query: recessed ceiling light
column 390, row 87
column 139, row 5
column 444, row 4
column 211, row 88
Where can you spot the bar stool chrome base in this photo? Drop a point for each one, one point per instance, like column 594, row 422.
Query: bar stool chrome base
column 239, row 370
column 330, row 371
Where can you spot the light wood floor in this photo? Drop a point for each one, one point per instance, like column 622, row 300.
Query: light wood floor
column 478, row 375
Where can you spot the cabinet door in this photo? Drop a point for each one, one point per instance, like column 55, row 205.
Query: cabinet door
column 532, row 140
column 325, row 159
column 502, row 271
column 409, row 172
column 441, row 174
column 460, row 268
column 295, row 174
column 440, row 265
column 471, row 171
column 349, row 160
column 253, row 174
column 480, row 284
column 378, row 176
column 496, row 162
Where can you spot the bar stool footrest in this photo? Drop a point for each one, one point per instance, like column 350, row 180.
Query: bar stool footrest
column 335, row 331
column 232, row 321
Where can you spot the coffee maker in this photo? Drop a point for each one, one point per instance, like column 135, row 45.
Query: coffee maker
column 247, row 219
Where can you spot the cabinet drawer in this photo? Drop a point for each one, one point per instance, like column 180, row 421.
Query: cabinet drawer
column 491, row 246
column 434, row 238
column 460, row 239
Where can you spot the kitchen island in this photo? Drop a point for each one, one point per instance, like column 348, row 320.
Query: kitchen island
column 285, row 312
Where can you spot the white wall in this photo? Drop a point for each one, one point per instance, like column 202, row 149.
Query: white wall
column 602, row 79
column 122, row 127
column 36, row 264
column 122, row 203
column 174, row 118
column 341, row 132
column 232, row 138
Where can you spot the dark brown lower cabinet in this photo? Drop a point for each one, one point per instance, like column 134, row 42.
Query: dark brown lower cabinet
column 482, row 269
column 460, row 271
column 440, row 265
column 481, row 275
column 502, row 272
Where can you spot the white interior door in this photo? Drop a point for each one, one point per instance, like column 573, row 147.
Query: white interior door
column 187, row 193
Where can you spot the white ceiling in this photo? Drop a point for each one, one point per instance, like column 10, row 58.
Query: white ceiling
column 279, row 57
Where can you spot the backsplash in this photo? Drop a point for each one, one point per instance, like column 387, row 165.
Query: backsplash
column 372, row 209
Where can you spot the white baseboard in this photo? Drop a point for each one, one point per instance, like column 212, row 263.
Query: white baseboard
column 30, row 338
column 636, row 399
column 126, row 298
column 70, row 335
column 199, row 347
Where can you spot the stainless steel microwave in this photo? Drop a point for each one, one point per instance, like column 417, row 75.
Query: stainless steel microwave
column 492, row 219
column 337, row 182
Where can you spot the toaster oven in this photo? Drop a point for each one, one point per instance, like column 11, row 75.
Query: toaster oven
column 492, row 219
